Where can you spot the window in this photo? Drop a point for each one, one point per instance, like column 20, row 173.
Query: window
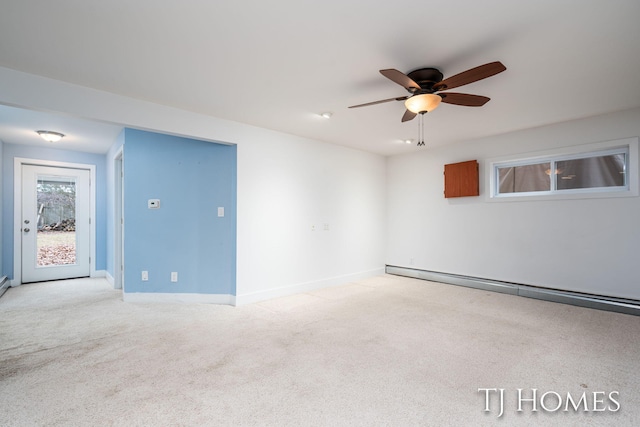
column 592, row 172
column 524, row 178
column 605, row 170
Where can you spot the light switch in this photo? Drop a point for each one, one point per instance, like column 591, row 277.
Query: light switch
column 153, row 203
column 220, row 211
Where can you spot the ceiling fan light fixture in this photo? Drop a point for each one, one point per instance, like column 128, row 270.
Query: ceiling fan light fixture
column 50, row 136
column 424, row 103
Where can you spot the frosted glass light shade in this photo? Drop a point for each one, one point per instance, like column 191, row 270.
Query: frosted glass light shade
column 50, row 136
column 422, row 103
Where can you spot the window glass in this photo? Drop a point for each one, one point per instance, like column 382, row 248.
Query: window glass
column 525, row 178
column 591, row 172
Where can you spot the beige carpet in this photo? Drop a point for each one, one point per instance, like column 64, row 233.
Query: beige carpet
column 386, row 351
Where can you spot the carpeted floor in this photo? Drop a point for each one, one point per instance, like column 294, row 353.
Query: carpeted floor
column 386, row 351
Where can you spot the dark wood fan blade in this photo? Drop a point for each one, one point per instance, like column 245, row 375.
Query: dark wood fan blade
column 400, row 78
column 401, row 98
column 464, row 99
column 408, row 115
column 470, row 76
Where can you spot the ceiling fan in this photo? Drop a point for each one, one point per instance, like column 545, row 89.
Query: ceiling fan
column 422, row 85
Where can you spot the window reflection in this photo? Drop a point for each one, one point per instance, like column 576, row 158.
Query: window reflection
column 525, row 178
column 592, row 172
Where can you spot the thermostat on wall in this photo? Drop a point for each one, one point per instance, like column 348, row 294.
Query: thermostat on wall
column 153, row 203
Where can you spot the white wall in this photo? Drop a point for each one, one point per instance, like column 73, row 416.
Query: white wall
column 585, row 245
column 289, row 191
column 286, row 184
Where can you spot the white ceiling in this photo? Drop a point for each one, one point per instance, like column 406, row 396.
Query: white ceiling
column 278, row 64
column 19, row 126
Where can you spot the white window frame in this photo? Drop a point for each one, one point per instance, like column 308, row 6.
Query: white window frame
column 628, row 146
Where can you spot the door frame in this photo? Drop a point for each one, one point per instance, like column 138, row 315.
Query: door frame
column 17, row 211
column 118, row 218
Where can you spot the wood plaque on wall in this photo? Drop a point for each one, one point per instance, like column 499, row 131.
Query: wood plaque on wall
column 461, row 179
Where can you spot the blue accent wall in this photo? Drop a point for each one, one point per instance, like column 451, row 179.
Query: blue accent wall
column 10, row 152
column 192, row 179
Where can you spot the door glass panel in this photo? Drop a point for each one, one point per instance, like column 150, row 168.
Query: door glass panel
column 56, row 208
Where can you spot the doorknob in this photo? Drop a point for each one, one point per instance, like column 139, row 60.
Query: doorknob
column 26, row 221
column 26, row 230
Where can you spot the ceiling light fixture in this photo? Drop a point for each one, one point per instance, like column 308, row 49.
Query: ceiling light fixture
column 327, row 114
column 408, row 141
column 420, row 104
column 50, row 136
column 424, row 103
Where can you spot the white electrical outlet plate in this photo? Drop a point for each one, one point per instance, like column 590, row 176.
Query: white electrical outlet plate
column 174, row 276
column 221, row 212
column 145, row 276
column 153, row 203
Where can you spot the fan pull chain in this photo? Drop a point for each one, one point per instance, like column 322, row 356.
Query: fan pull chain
column 421, row 130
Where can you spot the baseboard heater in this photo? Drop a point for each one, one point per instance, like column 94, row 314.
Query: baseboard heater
column 618, row 305
column 4, row 285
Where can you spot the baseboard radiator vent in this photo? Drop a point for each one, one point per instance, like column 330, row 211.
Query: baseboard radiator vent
column 4, row 285
column 618, row 305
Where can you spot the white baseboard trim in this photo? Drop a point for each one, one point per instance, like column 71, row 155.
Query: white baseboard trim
column 99, row 273
column 252, row 297
column 110, row 279
column 150, row 297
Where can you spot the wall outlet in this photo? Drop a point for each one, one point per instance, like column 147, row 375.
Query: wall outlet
column 174, row 276
column 145, row 276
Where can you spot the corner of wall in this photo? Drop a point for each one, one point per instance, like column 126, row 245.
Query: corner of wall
column 2, row 195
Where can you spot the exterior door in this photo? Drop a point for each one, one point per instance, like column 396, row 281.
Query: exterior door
column 55, row 225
